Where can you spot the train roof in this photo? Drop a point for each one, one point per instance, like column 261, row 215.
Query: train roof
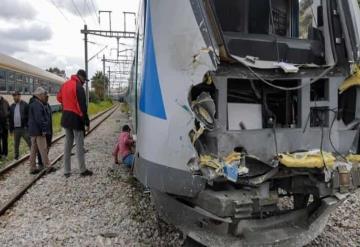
column 13, row 64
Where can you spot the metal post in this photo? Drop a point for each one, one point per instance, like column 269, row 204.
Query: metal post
column 86, row 63
column 110, row 20
column 118, row 47
column 104, row 75
column 109, row 83
column 125, row 21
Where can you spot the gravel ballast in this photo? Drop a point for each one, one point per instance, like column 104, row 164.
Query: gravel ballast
column 107, row 209
column 111, row 208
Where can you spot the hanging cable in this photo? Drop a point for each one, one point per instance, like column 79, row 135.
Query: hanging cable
column 274, row 31
column 89, row 10
column 77, row 10
column 288, row 88
column 61, row 12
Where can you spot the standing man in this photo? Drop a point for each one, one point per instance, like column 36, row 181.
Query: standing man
column 4, row 127
column 38, row 129
column 74, row 120
column 19, row 113
column 49, row 135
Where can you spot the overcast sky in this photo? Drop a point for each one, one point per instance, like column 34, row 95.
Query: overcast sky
column 46, row 33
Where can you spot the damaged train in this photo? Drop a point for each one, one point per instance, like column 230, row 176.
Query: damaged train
column 247, row 115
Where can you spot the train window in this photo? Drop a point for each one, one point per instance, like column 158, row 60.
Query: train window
column 36, row 83
column 19, row 86
column 2, row 80
column 31, row 84
column 2, row 75
column 11, row 76
column 19, row 78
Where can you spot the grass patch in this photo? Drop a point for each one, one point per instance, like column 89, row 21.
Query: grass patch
column 94, row 108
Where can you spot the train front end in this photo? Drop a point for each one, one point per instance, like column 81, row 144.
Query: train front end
column 248, row 122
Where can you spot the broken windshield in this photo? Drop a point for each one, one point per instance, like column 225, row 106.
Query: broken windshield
column 273, row 30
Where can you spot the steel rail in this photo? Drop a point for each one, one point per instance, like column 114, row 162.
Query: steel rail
column 20, row 161
column 23, row 190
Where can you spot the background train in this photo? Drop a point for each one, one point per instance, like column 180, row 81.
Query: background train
column 246, row 115
column 24, row 77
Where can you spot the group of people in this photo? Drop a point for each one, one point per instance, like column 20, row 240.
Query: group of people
column 31, row 121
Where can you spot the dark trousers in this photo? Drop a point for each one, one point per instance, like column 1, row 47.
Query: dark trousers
column 18, row 133
column 4, row 142
column 48, row 142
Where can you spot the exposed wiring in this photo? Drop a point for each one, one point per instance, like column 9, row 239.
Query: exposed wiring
column 288, row 88
column 274, row 31
column 331, row 143
column 275, row 138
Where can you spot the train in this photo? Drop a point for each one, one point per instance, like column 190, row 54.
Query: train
column 16, row 75
column 246, row 116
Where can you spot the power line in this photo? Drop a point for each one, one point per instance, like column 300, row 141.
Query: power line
column 93, row 5
column 57, row 7
column 90, row 12
column 77, row 10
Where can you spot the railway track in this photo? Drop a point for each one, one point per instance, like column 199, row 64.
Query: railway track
column 23, row 187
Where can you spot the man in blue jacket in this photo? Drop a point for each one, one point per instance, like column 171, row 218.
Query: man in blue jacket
column 38, row 129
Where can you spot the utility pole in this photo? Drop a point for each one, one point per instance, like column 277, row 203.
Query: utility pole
column 86, row 63
column 109, row 82
column 103, row 60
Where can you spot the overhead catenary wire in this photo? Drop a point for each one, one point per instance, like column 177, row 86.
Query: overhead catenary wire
column 90, row 12
column 78, row 12
column 94, row 8
column 58, row 8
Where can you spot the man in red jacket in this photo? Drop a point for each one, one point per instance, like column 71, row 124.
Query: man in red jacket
column 74, row 120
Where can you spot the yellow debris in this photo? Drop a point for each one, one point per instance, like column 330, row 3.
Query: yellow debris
column 353, row 80
column 307, row 160
column 197, row 134
column 353, row 158
column 233, row 156
column 209, row 161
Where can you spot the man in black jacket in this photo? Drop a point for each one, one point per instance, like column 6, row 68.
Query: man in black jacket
column 38, row 129
column 19, row 112
column 4, row 127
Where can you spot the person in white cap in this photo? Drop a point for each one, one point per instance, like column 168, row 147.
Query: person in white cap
column 38, row 129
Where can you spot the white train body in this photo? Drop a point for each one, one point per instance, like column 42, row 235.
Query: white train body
column 205, row 90
column 25, row 78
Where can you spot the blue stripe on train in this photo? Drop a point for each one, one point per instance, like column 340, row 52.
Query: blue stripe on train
column 151, row 101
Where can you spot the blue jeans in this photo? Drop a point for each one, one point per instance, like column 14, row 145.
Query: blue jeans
column 128, row 160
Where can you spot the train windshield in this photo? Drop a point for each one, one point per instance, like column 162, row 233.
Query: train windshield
column 284, row 30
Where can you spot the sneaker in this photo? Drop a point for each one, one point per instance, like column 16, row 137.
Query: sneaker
column 86, row 173
column 67, row 175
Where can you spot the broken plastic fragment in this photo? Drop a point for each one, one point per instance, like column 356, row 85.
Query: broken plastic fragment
column 204, row 109
column 231, row 172
column 353, row 80
column 287, row 68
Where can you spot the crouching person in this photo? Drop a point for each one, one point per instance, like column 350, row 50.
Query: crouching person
column 123, row 147
column 38, row 129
